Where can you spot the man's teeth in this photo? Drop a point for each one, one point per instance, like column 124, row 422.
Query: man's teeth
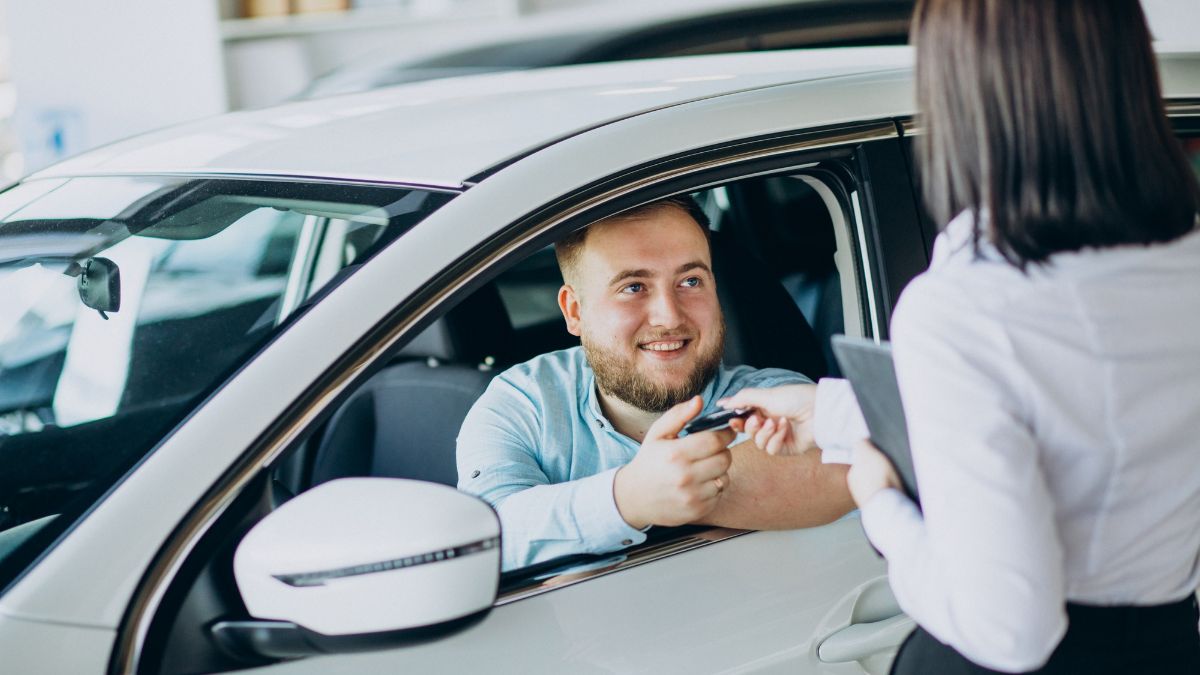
column 664, row 346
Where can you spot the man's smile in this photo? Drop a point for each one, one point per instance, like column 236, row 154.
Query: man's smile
column 664, row 346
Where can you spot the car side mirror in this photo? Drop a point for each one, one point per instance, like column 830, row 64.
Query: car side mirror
column 363, row 563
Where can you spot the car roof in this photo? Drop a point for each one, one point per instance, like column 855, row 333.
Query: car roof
column 444, row 132
column 447, row 133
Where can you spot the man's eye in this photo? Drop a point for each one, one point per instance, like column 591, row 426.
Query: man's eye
column 633, row 288
column 691, row 282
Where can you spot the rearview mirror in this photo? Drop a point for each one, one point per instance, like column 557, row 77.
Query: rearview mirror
column 363, row 563
column 99, row 285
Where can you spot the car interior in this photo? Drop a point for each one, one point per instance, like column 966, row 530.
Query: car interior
column 787, row 280
column 773, row 256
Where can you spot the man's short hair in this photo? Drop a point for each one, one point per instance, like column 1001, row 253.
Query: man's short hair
column 568, row 249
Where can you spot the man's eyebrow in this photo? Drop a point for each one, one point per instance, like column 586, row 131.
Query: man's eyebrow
column 695, row 264
column 627, row 274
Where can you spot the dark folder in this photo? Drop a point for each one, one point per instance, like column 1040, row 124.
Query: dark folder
column 872, row 376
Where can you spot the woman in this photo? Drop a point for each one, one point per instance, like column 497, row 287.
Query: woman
column 1049, row 359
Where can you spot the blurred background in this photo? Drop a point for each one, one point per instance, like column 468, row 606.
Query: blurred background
column 76, row 74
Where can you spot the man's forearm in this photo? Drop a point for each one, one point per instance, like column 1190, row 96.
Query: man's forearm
column 547, row 521
column 769, row 492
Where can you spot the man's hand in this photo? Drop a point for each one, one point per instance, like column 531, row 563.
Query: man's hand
column 674, row 481
column 782, row 420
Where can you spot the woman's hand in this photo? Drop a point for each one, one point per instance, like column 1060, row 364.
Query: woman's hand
column 782, row 420
column 871, row 472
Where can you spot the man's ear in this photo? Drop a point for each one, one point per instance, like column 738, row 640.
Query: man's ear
column 568, row 302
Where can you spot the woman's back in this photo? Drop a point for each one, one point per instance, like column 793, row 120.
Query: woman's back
column 1100, row 354
column 1052, row 382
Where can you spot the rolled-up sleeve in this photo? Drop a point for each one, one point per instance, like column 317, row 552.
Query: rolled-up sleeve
column 837, row 421
column 497, row 460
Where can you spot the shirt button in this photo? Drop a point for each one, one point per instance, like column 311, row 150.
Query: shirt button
column 475, row 473
column 627, row 542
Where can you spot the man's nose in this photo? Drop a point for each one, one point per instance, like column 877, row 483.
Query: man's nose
column 665, row 310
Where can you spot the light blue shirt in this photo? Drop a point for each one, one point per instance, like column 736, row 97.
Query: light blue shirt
column 537, row 447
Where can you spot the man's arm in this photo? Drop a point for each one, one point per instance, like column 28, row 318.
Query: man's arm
column 497, row 456
column 549, row 521
column 792, row 489
column 777, row 492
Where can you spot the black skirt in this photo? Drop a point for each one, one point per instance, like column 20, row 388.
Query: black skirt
column 1163, row 639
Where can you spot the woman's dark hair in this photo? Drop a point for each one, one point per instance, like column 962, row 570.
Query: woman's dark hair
column 1048, row 116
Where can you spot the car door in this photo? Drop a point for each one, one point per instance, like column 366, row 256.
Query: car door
column 814, row 600
column 758, row 601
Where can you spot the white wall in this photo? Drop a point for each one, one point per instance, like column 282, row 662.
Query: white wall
column 1176, row 21
column 87, row 73
column 270, row 60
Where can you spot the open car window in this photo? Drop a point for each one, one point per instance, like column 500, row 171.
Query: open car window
column 125, row 301
column 786, row 258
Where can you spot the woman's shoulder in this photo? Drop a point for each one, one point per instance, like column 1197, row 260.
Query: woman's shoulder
column 972, row 300
column 970, row 285
column 966, row 271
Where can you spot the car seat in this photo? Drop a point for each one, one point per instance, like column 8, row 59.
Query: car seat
column 789, row 229
column 763, row 326
column 403, row 422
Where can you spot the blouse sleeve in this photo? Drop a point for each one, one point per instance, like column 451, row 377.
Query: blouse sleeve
column 980, row 567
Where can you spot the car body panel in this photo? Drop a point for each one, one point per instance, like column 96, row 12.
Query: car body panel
column 746, row 604
column 445, row 132
column 63, row 648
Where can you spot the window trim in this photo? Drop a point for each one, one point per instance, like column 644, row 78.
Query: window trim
column 609, row 195
column 852, row 275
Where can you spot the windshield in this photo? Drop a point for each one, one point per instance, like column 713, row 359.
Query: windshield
column 125, row 301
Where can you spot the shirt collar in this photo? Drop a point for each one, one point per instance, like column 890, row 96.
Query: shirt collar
column 955, row 241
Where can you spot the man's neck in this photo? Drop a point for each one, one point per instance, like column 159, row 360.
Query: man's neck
column 626, row 418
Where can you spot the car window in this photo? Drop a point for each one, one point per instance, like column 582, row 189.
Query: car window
column 792, row 224
column 125, row 300
column 405, row 418
column 785, row 256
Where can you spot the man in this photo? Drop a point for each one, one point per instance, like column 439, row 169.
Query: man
column 578, row 450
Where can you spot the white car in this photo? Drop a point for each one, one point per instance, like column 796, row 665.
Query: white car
column 199, row 323
column 622, row 30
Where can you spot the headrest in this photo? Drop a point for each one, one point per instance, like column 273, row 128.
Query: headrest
column 763, row 326
column 476, row 331
column 791, row 224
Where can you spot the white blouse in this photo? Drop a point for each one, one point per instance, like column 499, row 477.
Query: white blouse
column 1054, row 418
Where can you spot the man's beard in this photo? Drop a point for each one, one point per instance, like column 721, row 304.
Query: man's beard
column 621, row 377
